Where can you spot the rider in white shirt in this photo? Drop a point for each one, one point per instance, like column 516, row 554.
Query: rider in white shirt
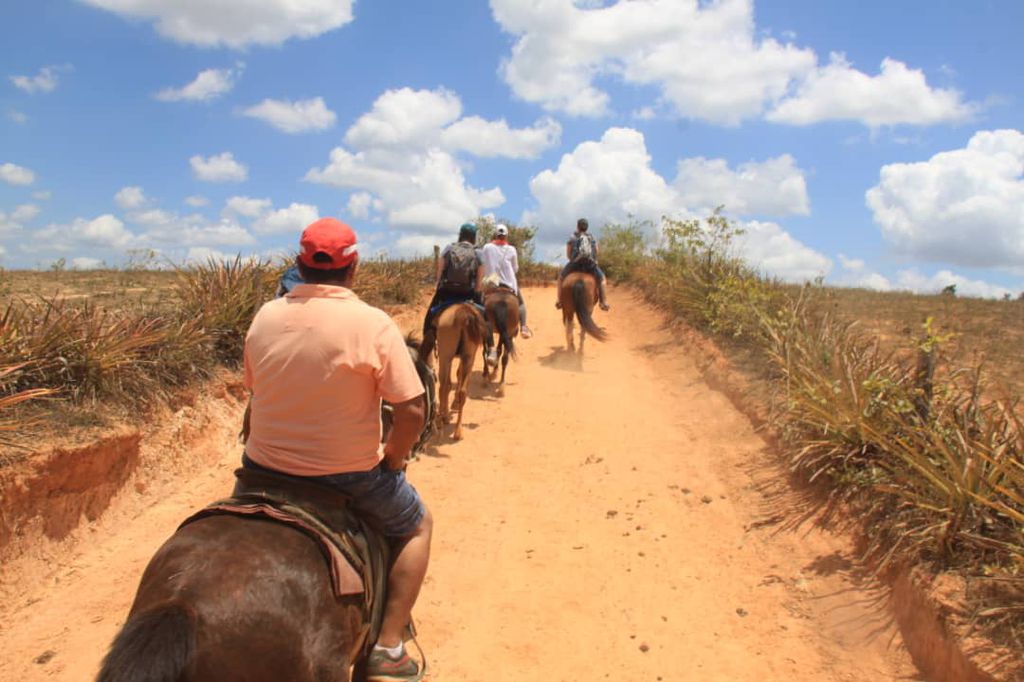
column 501, row 260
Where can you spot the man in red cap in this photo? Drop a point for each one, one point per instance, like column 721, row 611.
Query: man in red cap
column 318, row 361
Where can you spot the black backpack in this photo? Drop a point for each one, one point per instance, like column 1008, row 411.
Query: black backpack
column 460, row 266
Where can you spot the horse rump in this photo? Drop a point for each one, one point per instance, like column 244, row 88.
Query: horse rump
column 156, row 645
column 501, row 314
column 579, row 301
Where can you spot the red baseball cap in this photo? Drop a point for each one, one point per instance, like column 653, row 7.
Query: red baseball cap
column 329, row 236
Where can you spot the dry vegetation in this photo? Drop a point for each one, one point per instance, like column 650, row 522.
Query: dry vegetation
column 84, row 349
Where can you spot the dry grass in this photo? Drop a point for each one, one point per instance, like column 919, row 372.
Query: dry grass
column 983, row 332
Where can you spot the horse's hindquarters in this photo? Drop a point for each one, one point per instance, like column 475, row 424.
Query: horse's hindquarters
column 261, row 595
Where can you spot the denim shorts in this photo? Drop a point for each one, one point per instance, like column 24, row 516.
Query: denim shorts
column 383, row 497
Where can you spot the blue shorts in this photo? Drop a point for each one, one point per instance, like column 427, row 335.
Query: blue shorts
column 383, row 497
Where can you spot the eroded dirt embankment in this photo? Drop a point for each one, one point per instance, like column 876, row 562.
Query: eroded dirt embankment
column 609, row 517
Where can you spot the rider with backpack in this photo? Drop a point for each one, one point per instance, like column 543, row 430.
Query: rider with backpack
column 581, row 250
column 460, row 272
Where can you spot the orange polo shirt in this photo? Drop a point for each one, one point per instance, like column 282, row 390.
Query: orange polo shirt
column 318, row 362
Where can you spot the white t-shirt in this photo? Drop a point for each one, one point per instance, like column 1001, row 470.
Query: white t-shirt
column 501, row 259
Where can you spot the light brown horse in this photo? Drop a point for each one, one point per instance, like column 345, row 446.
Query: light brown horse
column 578, row 295
column 501, row 309
column 460, row 333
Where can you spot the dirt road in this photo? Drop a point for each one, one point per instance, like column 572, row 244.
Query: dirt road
column 610, row 518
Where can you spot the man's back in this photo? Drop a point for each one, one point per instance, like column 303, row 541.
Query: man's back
column 318, row 361
column 502, row 260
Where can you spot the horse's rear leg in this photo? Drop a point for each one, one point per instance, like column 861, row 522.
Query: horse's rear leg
column 583, row 335
column 445, row 372
column 568, row 336
column 504, row 366
column 462, row 391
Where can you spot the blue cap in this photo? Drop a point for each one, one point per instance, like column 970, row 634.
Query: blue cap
column 468, row 227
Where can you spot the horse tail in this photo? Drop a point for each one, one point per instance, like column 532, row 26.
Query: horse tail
column 154, row 646
column 501, row 322
column 579, row 301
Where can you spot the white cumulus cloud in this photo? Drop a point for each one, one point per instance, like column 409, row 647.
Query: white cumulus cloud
column 293, row 219
column 706, row 60
column 898, row 94
column 17, row 116
column 772, row 250
column 219, row 168
column 964, row 207
column 130, row 197
column 303, row 116
column 495, row 138
column 207, row 85
column 266, row 220
column 196, row 201
column 44, row 81
column 611, row 181
column 401, row 161
column 234, row 23
column 913, row 280
column 247, row 206
column 771, row 187
column 16, row 175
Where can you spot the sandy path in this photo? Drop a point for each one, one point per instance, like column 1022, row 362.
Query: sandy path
column 614, row 518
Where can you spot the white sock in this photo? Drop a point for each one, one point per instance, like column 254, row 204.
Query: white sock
column 393, row 652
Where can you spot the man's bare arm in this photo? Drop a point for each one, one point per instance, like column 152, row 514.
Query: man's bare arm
column 407, row 425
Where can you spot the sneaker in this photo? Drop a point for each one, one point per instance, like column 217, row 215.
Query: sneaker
column 383, row 668
column 526, row 332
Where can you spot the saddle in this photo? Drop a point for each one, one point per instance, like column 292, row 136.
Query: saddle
column 357, row 554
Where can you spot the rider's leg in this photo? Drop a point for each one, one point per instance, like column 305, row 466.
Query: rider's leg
column 429, row 332
column 527, row 332
column 404, row 582
column 602, row 288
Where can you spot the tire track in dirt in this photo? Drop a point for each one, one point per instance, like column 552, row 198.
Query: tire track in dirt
column 611, row 517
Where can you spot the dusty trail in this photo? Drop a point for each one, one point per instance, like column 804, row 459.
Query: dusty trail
column 613, row 518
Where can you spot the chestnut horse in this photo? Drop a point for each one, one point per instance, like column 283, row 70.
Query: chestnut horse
column 578, row 295
column 460, row 333
column 501, row 308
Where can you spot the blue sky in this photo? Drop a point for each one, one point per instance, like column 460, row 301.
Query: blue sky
column 875, row 143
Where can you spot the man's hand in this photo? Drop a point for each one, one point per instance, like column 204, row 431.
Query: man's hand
column 406, row 427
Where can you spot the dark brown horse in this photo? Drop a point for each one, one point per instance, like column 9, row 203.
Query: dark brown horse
column 231, row 598
column 501, row 309
column 578, row 295
column 460, row 333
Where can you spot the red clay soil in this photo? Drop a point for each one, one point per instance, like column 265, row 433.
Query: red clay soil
column 609, row 517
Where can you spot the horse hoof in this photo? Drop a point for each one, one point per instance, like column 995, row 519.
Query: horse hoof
column 457, row 434
column 500, row 392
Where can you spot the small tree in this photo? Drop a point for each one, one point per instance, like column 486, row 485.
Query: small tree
column 519, row 236
column 949, row 290
column 623, row 248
